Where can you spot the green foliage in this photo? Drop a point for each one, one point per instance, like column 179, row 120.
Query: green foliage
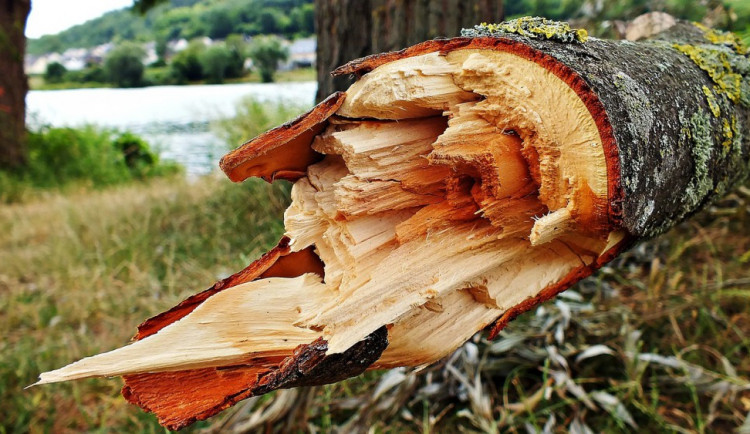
column 272, row 21
column 186, row 65
column 161, row 47
column 219, row 23
column 302, row 20
column 139, row 158
column 223, row 60
column 551, row 9
column 155, row 76
column 55, row 73
column 170, row 25
column 143, row 6
column 61, row 157
column 93, row 73
column 267, row 52
column 124, row 65
column 597, row 17
column 214, row 62
column 238, row 53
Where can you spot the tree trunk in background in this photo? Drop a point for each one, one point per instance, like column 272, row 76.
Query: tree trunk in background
column 350, row 29
column 13, row 84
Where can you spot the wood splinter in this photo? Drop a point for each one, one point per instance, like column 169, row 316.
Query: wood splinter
column 455, row 185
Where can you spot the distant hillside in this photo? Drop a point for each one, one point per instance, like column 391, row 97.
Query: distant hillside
column 186, row 19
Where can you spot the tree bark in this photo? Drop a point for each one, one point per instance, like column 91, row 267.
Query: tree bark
column 13, row 83
column 350, row 29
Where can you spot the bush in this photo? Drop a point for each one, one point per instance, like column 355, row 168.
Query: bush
column 272, row 21
column 186, row 65
column 238, row 53
column 157, row 76
column 55, row 73
column 219, row 23
column 302, row 20
column 267, row 52
column 89, row 156
column 214, row 62
column 124, row 65
column 93, row 73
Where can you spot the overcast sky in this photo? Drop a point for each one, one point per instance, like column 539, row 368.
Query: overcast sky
column 53, row 16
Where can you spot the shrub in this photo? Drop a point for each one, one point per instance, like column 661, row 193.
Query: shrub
column 238, row 53
column 156, row 76
column 54, row 73
column 186, row 65
column 89, row 156
column 267, row 52
column 214, row 62
column 124, row 65
column 93, row 73
column 61, row 155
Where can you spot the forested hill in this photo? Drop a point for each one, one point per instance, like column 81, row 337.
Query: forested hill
column 186, row 19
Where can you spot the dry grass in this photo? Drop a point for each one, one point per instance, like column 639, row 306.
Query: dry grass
column 658, row 341
column 79, row 272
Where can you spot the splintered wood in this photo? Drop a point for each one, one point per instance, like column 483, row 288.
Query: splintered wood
column 448, row 190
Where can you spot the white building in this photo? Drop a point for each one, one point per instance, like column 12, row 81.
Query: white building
column 302, row 52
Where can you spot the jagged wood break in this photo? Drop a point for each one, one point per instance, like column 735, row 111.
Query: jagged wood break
column 455, row 185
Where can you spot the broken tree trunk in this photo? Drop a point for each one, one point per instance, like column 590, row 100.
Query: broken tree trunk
column 455, row 185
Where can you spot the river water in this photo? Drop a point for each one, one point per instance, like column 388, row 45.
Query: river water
column 176, row 120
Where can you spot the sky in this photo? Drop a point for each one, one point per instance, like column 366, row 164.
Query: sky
column 53, row 16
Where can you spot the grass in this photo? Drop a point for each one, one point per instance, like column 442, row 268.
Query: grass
column 80, row 271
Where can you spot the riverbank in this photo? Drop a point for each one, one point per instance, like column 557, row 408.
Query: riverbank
column 37, row 82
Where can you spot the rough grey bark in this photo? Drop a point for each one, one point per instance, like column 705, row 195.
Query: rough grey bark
column 681, row 134
column 350, row 29
column 13, row 84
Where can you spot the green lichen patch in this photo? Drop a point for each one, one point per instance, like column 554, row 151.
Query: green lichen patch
column 712, row 103
column 716, row 62
column 725, row 58
column 719, row 37
column 530, row 27
column 728, row 133
column 700, row 133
